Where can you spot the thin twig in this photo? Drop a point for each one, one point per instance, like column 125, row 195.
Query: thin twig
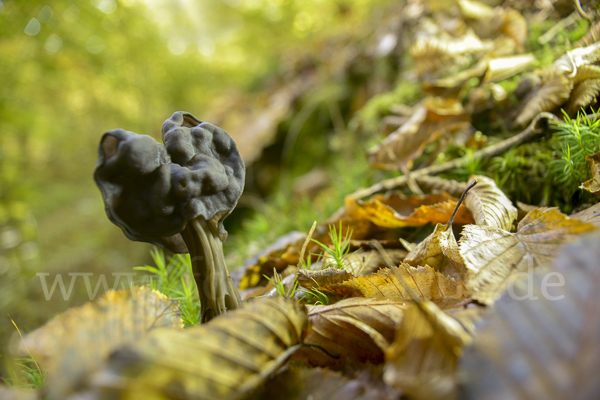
column 580, row 10
column 558, row 27
column 499, row 148
column 462, row 197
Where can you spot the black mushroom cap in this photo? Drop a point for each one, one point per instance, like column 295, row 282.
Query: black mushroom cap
column 152, row 191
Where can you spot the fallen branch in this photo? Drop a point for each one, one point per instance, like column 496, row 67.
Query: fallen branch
column 499, row 148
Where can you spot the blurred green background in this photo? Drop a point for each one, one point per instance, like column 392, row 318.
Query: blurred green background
column 283, row 77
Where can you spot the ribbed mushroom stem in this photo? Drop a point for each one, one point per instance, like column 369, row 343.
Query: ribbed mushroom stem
column 215, row 287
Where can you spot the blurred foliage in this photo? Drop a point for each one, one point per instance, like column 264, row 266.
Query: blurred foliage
column 72, row 70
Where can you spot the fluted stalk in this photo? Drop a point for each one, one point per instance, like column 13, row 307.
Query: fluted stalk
column 215, row 286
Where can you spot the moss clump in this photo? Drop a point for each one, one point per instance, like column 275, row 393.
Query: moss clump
column 573, row 140
column 405, row 92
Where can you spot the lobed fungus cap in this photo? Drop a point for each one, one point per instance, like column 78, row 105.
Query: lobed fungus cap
column 151, row 191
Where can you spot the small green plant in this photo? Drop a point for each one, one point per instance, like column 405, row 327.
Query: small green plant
column 315, row 296
column 32, row 377
column 29, row 368
column 174, row 280
column 573, row 140
column 277, row 282
column 341, row 247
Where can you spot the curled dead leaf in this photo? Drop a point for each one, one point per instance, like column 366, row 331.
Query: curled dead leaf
column 583, row 95
column 433, row 118
column 570, row 63
column 80, row 340
column 423, row 359
column 398, row 211
column 493, row 255
column 554, row 91
column 440, row 251
column 424, row 281
column 504, row 67
column 593, row 185
column 352, row 331
column 489, row 205
column 223, row 359
column 436, row 53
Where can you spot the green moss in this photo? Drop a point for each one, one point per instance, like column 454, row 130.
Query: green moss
column 521, row 172
column 510, row 84
column 579, row 30
column 573, row 140
column 406, row 92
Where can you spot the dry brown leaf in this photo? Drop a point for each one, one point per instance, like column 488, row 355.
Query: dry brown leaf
column 398, row 211
column 435, row 54
column 279, row 254
column 493, row 255
column 504, row 67
column 222, row 359
column 489, row 205
column 364, row 263
column 553, row 92
column 541, row 339
column 79, row 340
column 514, row 26
column 323, row 279
column 593, row 185
column 440, row 251
column 330, row 277
column 575, row 59
column 423, row 359
column 489, row 23
column 583, row 95
column 353, row 330
column 366, row 220
column 586, row 71
column 433, row 118
column 424, row 282
column 590, row 215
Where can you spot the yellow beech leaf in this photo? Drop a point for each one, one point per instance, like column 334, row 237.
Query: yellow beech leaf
column 224, row 358
column 433, row 118
column 351, row 332
column 398, row 211
column 436, row 54
column 323, row 279
column 593, row 185
column 81, row 339
column 329, row 277
column 424, row 282
column 423, row 359
column 553, row 92
column 584, row 94
column 590, row 215
column 493, row 255
column 540, row 341
column 489, row 205
column 440, row 251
